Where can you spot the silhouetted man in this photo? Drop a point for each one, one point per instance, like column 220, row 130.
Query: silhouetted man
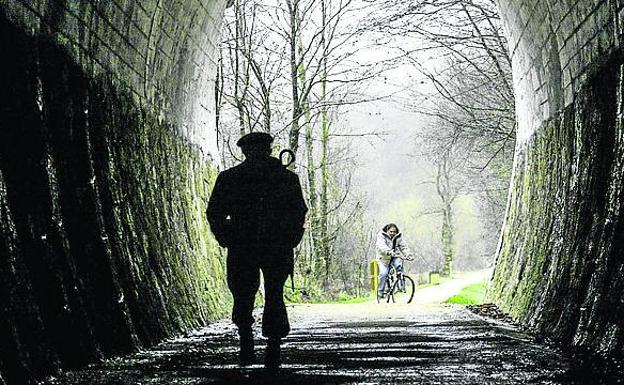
column 257, row 211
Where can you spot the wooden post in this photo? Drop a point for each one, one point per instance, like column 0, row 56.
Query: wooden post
column 373, row 268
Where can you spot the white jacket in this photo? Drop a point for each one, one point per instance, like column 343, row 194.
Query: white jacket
column 386, row 246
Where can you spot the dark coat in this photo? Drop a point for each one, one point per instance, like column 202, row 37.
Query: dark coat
column 257, row 205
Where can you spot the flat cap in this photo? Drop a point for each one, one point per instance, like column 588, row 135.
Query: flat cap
column 255, row 138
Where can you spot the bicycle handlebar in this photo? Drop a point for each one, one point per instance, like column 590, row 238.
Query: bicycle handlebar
column 403, row 256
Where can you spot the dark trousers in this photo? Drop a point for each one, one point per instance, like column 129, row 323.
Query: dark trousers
column 243, row 278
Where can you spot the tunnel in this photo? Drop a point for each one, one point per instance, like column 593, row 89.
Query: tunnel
column 108, row 154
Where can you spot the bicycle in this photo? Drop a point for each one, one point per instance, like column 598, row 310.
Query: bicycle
column 399, row 286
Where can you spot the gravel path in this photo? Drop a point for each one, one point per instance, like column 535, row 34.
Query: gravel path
column 367, row 343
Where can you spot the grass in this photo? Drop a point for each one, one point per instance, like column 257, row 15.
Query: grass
column 317, row 298
column 347, row 300
column 470, row 295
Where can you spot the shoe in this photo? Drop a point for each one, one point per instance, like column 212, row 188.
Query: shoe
column 246, row 355
column 272, row 357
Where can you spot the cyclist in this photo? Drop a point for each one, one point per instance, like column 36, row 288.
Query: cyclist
column 390, row 246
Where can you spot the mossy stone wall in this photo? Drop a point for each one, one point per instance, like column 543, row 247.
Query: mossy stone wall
column 104, row 246
column 560, row 266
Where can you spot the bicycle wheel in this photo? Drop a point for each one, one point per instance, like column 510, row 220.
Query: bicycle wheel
column 403, row 290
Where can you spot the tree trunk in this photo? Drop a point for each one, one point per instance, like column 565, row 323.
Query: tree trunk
column 293, row 135
column 324, row 257
column 447, row 240
column 311, row 167
column 237, row 68
column 447, row 195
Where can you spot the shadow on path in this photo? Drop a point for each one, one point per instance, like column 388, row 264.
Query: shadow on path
column 355, row 344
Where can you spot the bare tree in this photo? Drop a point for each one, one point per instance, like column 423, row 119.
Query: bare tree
column 288, row 67
column 465, row 88
column 448, row 186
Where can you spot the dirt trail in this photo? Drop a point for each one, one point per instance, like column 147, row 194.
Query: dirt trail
column 367, row 343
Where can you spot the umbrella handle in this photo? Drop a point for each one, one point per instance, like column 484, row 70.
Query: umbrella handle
column 291, row 159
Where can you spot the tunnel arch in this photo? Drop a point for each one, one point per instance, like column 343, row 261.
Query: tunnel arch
column 107, row 121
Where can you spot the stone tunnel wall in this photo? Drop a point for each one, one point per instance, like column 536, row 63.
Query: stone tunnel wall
column 560, row 268
column 106, row 131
